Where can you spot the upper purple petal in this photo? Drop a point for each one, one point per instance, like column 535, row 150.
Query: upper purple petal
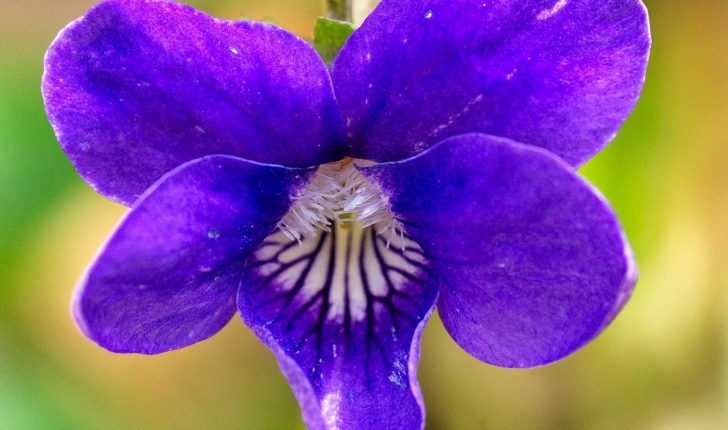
column 135, row 88
column 559, row 74
column 168, row 276
column 343, row 312
column 533, row 261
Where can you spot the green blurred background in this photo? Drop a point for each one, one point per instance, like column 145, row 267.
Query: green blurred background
column 663, row 364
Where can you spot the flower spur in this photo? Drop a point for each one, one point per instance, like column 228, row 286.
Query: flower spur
column 259, row 182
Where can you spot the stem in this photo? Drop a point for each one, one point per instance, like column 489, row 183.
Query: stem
column 339, row 10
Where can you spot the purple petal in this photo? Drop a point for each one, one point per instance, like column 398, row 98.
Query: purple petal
column 532, row 259
column 136, row 88
column 558, row 74
column 168, row 276
column 343, row 314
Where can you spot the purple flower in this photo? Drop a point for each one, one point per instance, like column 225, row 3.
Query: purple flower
column 212, row 131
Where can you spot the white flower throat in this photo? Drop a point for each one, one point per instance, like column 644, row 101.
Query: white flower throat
column 339, row 194
column 330, row 264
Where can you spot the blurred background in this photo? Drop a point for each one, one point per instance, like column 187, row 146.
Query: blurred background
column 663, row 364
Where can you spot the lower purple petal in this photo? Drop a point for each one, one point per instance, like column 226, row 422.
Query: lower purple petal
column 168, row 276
column 532, row 259
column 343, row 313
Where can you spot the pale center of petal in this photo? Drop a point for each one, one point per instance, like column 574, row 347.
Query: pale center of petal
column 345, row 271
column 339, row 195
column 334, row 294
column 330, row 259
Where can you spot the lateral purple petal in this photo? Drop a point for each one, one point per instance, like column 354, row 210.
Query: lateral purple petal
column 344, row 313
column 532, row 259
column 168, row 276
column 559, row 74
column 136, row 88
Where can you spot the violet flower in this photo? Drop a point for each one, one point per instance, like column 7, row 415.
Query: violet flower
column 211, row 131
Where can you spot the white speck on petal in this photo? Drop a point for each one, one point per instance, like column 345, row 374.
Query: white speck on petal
column 452, row 119
column 398, row 375
column 233, row 50
column 548, row 13
column 330, row 410
column 428, row 15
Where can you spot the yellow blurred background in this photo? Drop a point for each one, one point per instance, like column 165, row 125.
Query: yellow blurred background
column 663, row 364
